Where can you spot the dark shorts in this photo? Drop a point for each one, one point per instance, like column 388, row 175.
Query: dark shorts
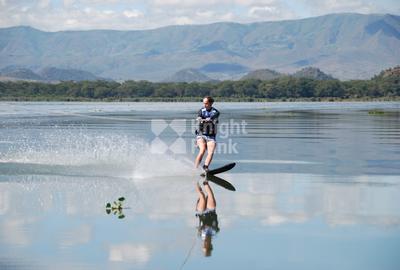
column 208, row 217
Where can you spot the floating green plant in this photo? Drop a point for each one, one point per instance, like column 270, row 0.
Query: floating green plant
column 116, row 208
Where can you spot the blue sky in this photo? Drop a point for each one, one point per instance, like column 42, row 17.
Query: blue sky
column 55, row 15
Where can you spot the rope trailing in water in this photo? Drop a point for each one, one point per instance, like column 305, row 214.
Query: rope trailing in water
column 189, row 253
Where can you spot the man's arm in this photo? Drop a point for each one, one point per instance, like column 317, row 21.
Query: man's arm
column 199, row 116
column 215, row 115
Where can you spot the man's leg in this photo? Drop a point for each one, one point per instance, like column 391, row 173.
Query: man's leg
column 211, row 203
column 210, row 152
column 201, row 202
column 201, row 143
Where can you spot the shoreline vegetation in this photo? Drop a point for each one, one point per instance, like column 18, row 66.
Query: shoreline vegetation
column 198, row 99
column 383, row 87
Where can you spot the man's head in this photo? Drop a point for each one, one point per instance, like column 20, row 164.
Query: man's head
column 207, row 246
column 208, row 102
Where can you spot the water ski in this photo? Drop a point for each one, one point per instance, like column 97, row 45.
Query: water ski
column 222, row 169
column 221, row 182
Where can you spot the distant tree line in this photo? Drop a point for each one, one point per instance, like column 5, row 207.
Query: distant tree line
column 281, row 88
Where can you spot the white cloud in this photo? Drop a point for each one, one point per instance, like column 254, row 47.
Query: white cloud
column 227, row 17
column 53, row 15
column 359, row 6
column 132, row 13
column 108, row 12
column 183, row 20
column 260, row 11
column 190, row 3
column 256, row 2
column 24, row 9
column 205, row 14
column 44, row 3
column 68, row 3
column 87, row 10
column 72, row 22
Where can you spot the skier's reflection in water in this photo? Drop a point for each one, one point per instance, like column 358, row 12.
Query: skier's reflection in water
column 208, row 220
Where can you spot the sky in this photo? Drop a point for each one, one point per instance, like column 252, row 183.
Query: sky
column 57, row 15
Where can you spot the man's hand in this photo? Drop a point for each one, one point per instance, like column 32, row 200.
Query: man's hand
column 204, row 120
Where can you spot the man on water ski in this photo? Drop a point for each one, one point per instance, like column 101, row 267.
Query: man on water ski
column 207, row 118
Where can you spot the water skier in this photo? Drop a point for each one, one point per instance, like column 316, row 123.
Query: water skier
column 207, row 118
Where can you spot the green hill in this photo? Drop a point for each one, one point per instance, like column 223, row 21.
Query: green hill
column 263, row 74
column 188, row 75
column 312, row 73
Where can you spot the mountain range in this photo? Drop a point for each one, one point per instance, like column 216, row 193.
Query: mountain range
column 48, row 74
column 346, row 46
column 195, row 75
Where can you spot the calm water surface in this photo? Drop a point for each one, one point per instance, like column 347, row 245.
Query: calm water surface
column 317, row 186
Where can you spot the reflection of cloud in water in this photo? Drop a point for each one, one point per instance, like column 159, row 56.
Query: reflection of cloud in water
column 76, row 236
column 276, row 219
column 4, row 201
column 271, row 198
column 134, row 253
column 69, row 212
column 14, row 231
column 295, row 198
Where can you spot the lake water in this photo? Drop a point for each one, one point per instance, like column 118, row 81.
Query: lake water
column 317, row 186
